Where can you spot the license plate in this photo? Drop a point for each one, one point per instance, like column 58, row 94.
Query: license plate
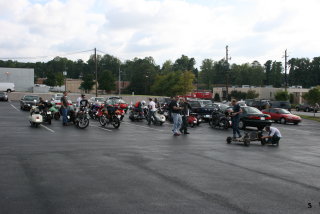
column 206, row 116
column 49, row 112
column 262, row 118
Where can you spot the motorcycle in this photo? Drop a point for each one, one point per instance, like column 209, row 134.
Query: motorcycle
column 192, row 120
column 93, row 111
column 35, row 117
column 82, row 118
column 111, row 116
column 136, row 115
column 55, row 111
column 45, row 112
column 220, row 120
column 158, row 118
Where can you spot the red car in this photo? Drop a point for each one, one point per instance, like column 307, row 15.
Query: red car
column 282, row 115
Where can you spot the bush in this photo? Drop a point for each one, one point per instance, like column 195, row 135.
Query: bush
column 282, row 96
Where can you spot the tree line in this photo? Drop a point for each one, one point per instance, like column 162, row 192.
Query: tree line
column 172, row 77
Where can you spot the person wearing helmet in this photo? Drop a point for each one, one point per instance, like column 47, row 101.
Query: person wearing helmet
column 138, row 107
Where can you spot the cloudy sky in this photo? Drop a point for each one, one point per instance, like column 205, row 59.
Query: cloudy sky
column 164, row 29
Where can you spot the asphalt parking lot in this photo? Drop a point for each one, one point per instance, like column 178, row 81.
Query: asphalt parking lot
column 144, row 169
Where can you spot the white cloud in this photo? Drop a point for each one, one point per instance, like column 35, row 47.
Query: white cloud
column 253, row 29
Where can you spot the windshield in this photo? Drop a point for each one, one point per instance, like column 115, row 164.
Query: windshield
column 31, row 98
column 2, row 93
column 120, row 101
column 194, row 104
column 205, row 102
column 99, row 99
column 283, row 111
column 223, row 107
column 251, row 110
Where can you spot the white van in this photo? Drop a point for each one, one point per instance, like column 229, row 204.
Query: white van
column 7, row 86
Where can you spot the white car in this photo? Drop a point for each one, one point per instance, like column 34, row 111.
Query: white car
column 96, row 100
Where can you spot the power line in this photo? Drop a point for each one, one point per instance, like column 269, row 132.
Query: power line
column 48, row 56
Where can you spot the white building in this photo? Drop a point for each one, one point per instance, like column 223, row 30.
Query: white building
column 23, row 78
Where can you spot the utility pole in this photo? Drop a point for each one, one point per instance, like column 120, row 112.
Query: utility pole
column 285, row 70
column 227, row 69
column 119, row 83
column 96, row 63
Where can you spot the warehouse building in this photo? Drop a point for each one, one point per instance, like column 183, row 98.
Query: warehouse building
column 23, row 78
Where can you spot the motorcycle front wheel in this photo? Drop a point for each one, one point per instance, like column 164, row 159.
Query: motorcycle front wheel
column 82, row 122
column 103, row 120
column 115, row 122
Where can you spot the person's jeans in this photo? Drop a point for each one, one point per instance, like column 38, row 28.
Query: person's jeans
column 151, row 115
column 64, row 115
column 184, row 126
column 274, row 140
column 235, row 126
column 177, row 121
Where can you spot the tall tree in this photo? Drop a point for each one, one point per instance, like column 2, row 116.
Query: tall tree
column 106, row 81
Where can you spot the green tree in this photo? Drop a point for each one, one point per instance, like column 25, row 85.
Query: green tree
column 251, row 94
column 282, row 96
column 51, row 79
column 207, row 73
column 59, row 79
column 87, row 83
column 217, row 97
column 184, row 84
column 106, row 81
column 312, row 96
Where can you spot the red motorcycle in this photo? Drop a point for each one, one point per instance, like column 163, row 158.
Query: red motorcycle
column 193, row 120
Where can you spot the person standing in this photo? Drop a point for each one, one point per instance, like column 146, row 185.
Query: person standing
column 64, row 108
column 175, row 112
column 152, row 110
column 235, row 117
column 82, row 97
column 185, row 114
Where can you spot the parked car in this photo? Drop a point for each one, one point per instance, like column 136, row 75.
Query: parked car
column 3, row 96
column 205, row 102
column 260, row 104
column 204, row 112
column 306, row 107
column 117, row 102
column 280, row 104
column 27, row 101
column 253, row 117
column 96, row 100
column 282, row 115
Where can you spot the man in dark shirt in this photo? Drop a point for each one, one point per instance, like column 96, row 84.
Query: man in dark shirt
column 235, row 117
column 185, row 114
column 64, row 108
column 175, row 112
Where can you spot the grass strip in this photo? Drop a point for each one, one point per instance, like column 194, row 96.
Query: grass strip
column 310, row 118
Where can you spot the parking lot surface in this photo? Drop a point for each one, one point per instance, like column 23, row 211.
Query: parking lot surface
column 145, row 169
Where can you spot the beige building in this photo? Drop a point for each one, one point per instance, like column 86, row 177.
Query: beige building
column 264, row 92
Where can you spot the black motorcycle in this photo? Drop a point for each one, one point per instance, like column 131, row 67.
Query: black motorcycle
column 220, row 119
column 44, row 111
column 79, row 118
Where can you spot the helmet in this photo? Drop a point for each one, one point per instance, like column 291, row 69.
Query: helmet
column 143, row 102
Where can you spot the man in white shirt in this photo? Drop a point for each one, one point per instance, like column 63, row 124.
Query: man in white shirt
column 79, row 99
column 274, row 135
column 152, row 110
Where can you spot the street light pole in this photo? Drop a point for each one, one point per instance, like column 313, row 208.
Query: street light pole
column 96, row 65
column 119, row 82
column 227, row 69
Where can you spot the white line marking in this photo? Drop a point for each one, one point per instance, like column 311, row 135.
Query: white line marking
column 47, row 128
column 14, row 107
column 101, row 128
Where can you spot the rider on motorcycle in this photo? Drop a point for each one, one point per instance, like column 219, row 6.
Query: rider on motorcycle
column 138, row 107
